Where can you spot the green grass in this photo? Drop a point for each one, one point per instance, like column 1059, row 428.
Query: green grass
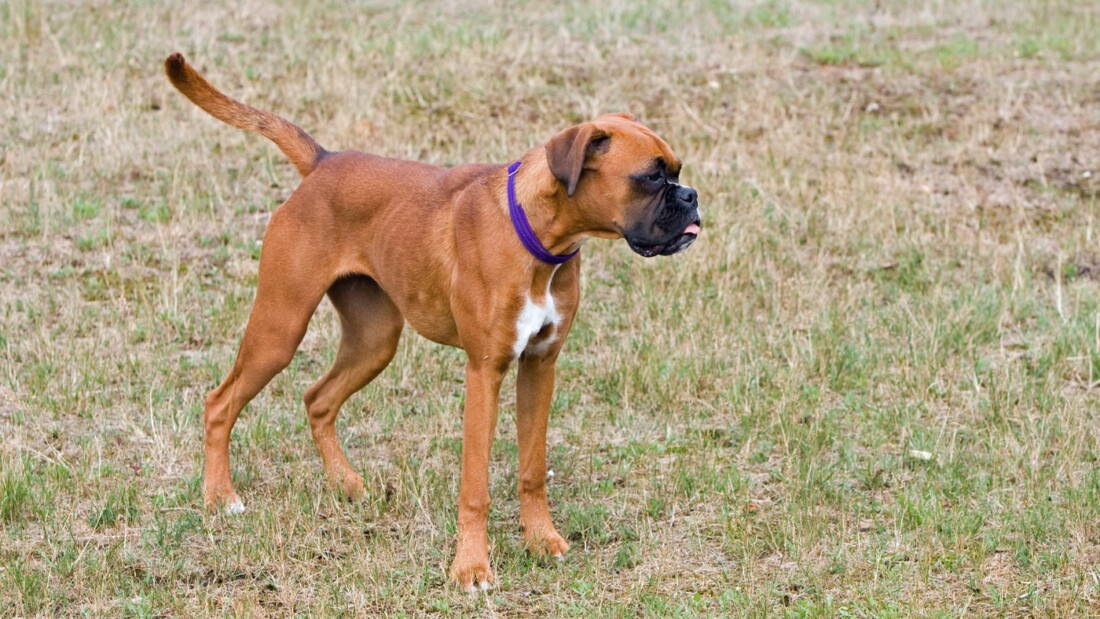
column 870, row 389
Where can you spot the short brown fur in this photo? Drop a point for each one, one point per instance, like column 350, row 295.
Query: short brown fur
column 302, row 150
column 394, row 241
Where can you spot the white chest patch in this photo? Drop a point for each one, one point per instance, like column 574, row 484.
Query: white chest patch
column 533, row 317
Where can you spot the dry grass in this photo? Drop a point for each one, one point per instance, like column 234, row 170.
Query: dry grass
column 870, row 389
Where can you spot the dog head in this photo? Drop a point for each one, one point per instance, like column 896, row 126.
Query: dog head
column 621, row 179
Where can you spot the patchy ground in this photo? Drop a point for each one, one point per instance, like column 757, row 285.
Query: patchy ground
column 869, row 389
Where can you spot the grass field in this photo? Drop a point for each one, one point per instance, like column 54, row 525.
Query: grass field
column 870, row 389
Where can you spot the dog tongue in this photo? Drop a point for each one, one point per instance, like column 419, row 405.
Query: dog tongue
column 692, row 229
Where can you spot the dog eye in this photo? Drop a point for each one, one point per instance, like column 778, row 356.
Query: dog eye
column 654, row 177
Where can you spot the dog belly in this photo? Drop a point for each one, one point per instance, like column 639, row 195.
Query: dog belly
column 436, row 330
column 428, row 314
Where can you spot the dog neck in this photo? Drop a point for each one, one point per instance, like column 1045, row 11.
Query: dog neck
column 554, row 231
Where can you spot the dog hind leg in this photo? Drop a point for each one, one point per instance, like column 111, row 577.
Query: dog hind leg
column 371, row 327
column 290, row 287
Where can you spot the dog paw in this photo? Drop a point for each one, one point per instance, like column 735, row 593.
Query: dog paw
column 557, row 547
column 350, row 484
column 472, row 575
column 223, row 499
column 546, row 542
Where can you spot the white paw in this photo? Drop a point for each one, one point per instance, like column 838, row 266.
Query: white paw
column 559, row 557
column 482, row 585
column 234, row 508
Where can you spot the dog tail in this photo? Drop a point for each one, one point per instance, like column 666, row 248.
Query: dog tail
column 302, row 150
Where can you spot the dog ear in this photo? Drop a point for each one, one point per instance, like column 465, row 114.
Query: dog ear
column 567, row 151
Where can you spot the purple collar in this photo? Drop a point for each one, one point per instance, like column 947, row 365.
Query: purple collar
column 523, row 228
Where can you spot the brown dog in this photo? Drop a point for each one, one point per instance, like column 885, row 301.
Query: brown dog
column 393, row 241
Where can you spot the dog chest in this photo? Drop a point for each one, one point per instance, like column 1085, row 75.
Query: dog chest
column 532, row 318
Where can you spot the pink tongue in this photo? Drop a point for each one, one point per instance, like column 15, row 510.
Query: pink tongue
column 692, row 229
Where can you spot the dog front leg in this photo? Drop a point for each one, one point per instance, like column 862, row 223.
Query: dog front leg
column 534, row 392
column 470, row 568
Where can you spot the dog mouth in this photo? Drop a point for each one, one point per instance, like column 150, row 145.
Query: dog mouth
column 674, row 245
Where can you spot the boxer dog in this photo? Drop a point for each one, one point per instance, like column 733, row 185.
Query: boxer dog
column 480, row 256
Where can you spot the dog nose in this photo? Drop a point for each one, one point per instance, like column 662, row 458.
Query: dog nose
column 689, row 196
